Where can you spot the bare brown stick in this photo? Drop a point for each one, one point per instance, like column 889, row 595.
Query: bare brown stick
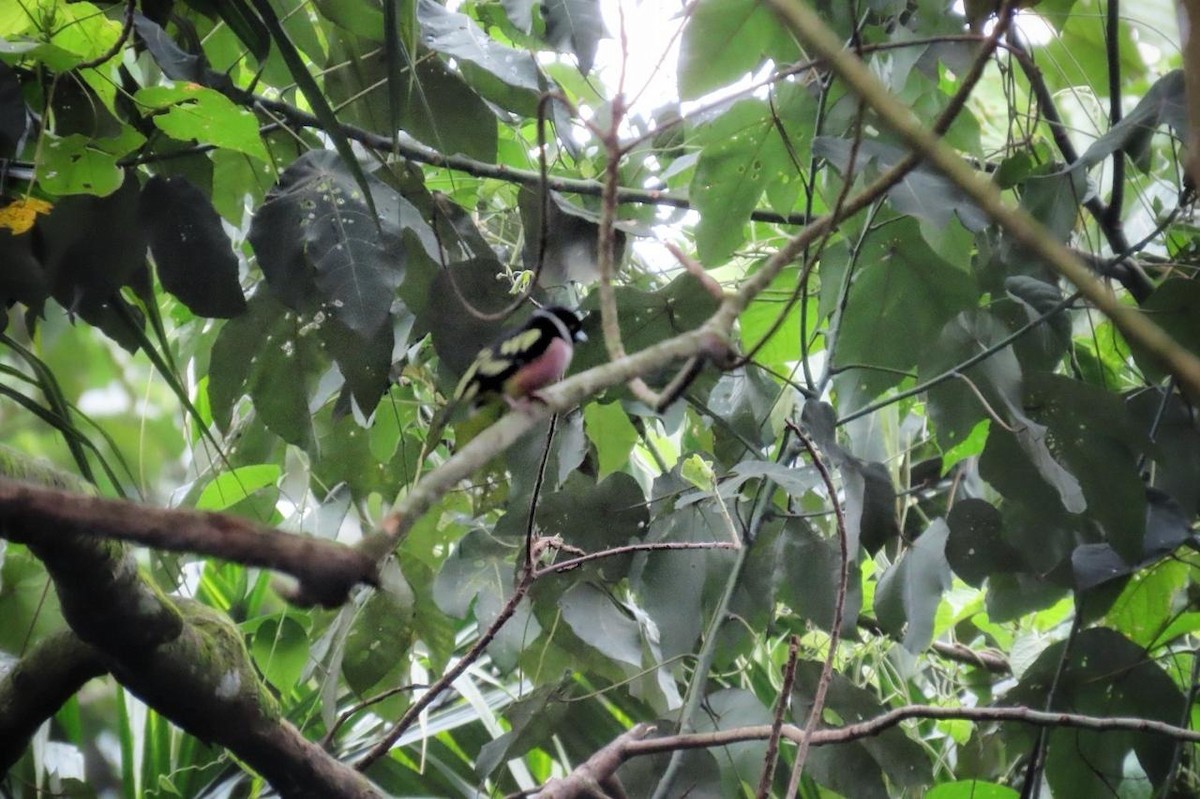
column 839, row 608
column 781, row 706
column 325, row 570
column 885, row 721
column 587, row 779
column 575, row 563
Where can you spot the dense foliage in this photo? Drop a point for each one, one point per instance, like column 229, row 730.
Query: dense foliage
column 889, row 464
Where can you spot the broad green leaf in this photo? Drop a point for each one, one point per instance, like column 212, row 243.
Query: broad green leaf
column 725, row 40
column 480, row 575
column 596, row 517
column 609, row 430
column 458, row 36
column 206, row 115
column 791, row 563
column 77, row 164
column 229, row 488
column 855, row 768
column 902, row 296
column 743, row 154
column 922, row 193
column 378, row 642
column 280, row 649
column 678, row 589
column 598, row 622
column 971, row 789
column 1106, row 673
column 256, row 354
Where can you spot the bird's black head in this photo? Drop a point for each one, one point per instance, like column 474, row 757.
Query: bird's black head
column 564, row 320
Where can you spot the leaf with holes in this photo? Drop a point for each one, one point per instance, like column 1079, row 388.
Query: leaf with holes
column 322, row 250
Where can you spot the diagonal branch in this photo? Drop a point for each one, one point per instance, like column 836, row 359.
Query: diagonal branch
column 326, row 571
column 36, row 687
column 1137, row 328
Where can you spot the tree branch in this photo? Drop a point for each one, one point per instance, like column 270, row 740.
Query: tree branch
column 616, row 754
column 185, row 659
column 36, row 687
column 1136, row 327
column 326, row 571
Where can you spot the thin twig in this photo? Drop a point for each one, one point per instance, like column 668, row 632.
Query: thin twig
column 126, row 28
column 781, row 706
column 839, row 607
column 446, row 680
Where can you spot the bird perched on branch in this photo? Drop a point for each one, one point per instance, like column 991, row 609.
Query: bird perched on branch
column 513, row 367
column 523, row 360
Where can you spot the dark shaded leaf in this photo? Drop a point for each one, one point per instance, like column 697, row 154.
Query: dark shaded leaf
column 480, row 574
column 458, row 334
column 22, row 279
column 596, row 517
column 1107, row 674
column 870, row 499
column 365, row 364
column 1050, row 339
column 909, row 592
column 1176, row 447
column 976, row 548
column 1163, row 104
column 922, row 193
column 1054, row 199
column 261, row 353
column 1166, row 529
column 1087, row 430
column 574, row 26
column 175, row 62
column 1172, row 306
column 872, row 507
column 743, row 399
column 438, row 108
column 593, row 616
column 856, row 768
column 571, row 243
column 730, row 708
column 677, row 589
column 93, row 247
column 458, row 36
column 322, row 249
column 379, row 638
column 793, row 564
column 13, row 117
column 532, row 719
column 193, row 254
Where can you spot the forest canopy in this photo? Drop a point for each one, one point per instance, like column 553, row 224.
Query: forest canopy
column 875, row 469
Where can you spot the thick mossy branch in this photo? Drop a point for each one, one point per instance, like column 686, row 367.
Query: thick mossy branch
column 36, row 687
column 185, row 660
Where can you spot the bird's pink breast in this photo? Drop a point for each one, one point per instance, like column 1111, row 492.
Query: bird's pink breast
column 547, row 368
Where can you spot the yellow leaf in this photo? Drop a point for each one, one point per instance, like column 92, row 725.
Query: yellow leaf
column 19, row 215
